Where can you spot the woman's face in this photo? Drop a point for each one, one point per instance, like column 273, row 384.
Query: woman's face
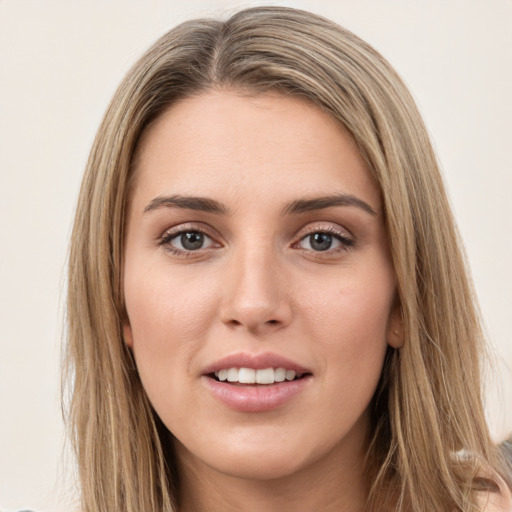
column 256, row 240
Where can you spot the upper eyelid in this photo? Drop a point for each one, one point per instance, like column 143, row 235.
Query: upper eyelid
column 330, row 227
column 184, row 227
column 327, row 229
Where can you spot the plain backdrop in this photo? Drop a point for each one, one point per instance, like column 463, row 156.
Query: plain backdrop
column 60, row 62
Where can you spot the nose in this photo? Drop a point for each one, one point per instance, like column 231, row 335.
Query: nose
column 255, row 295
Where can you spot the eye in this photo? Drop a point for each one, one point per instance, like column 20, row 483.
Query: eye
column 321, row 241
column 187, row 241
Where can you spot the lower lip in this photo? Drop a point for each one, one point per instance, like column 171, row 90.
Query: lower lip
column 256, row 398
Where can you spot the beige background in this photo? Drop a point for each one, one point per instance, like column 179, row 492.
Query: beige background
column 60, row 62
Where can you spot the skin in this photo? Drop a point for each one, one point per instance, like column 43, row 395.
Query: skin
column 259, row 285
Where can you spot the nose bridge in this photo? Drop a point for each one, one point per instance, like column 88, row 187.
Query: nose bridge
column 254, row 295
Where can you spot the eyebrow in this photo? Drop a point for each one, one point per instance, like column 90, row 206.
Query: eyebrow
column 298, row 206
column 319, row 203
column 202, row 204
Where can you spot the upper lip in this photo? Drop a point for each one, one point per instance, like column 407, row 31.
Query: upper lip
column 255, row 361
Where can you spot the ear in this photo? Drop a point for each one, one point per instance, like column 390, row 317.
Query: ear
column 395, row 330
column 127, row 333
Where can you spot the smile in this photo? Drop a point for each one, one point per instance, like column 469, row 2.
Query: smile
column 256, row 382
column 253, row 376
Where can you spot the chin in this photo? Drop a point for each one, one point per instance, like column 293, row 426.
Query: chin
column 265, row 466
column 260, row 458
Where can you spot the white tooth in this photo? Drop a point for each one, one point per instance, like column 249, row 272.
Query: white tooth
column 222, row 374
column 265, row 376
column 290, row 375
column 279, row 375
column 216, row 374
column 247, row 376
column 232, row 375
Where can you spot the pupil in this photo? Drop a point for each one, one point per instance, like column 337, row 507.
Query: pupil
column 320, row 241
column 192, row 240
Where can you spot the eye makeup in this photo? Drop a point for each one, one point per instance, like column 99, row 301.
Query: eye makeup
column 192, row 239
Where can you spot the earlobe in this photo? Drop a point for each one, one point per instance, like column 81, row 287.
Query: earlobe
column 396, row 339
column 127, row 334
column 395, row 334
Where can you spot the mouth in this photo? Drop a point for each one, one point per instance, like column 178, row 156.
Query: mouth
column 256, row 383
column 253, row 376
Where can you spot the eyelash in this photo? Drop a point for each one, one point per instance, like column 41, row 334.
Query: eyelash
column 168, row 236
column 346, row 243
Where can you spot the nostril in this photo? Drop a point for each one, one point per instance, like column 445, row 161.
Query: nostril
column 237, row 323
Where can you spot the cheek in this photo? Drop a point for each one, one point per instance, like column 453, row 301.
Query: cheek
column 163, row 306
column 350, row 325
column 168, row 320
column 352, row 309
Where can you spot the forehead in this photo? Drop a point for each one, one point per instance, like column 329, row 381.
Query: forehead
column 222, row 142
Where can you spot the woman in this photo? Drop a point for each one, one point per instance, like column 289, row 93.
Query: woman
column 268, row 304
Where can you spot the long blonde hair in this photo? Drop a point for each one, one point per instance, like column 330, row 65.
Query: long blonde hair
column 427, row 410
